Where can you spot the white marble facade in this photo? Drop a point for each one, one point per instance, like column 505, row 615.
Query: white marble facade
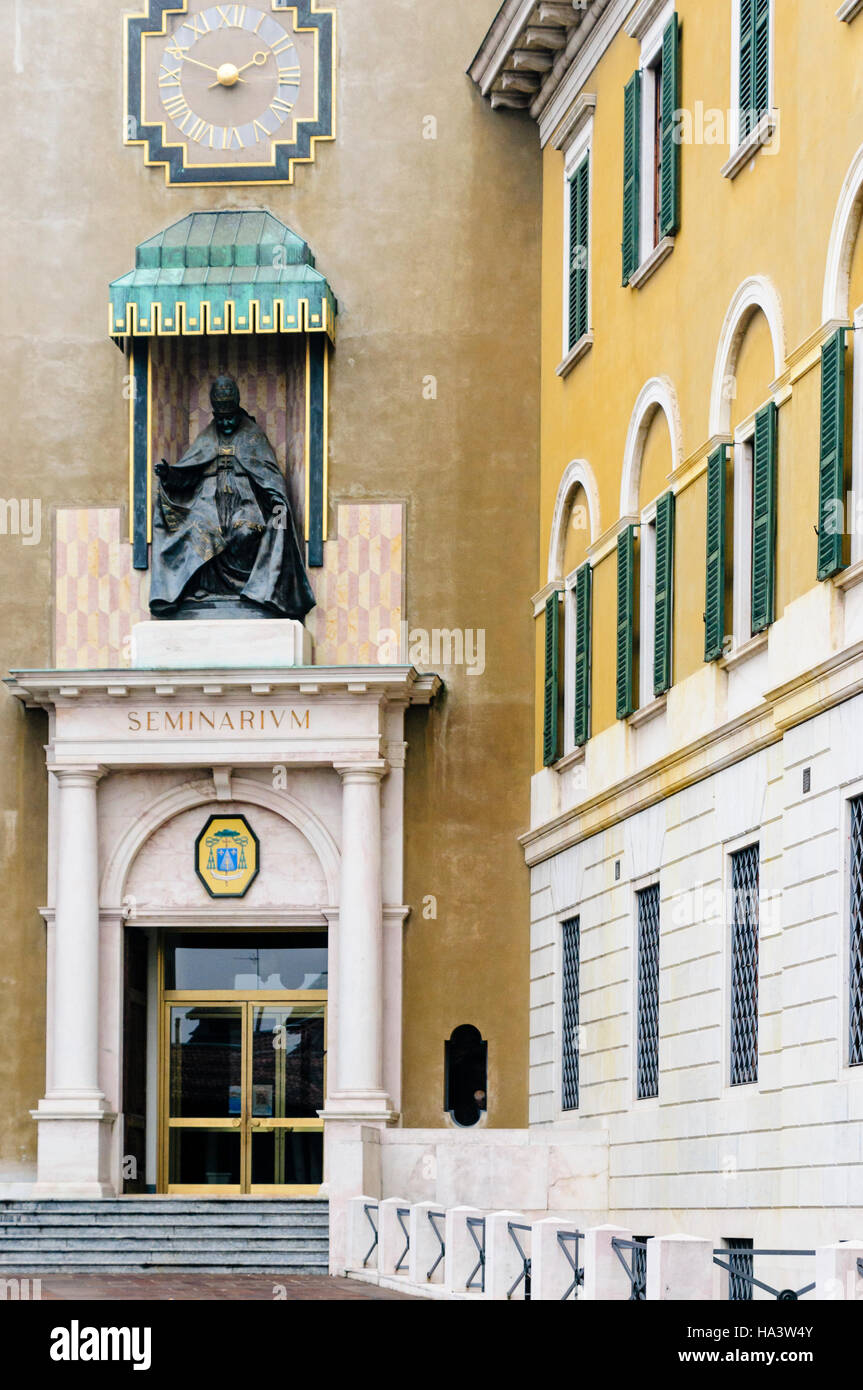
column 137, row 761
column 781, row 1160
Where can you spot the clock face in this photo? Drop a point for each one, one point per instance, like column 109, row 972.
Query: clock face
column 230, row 93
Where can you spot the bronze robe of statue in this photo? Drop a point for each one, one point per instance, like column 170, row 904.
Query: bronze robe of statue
column 223, row 528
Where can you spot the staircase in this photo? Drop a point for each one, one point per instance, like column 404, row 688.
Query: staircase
column 167, row 1235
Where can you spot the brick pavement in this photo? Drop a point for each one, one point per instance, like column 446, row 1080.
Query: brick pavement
column 122, row 1288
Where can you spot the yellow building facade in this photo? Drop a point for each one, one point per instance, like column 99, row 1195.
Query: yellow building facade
column 694, row 840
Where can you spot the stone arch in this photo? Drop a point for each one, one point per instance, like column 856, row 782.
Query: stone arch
column 576, row 474
column 656, row 394
column 193, row 794
column 843, row 239
column 755, row 293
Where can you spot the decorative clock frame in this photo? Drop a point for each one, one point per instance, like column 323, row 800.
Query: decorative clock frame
column 302, row 110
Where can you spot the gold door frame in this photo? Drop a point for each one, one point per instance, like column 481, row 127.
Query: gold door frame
column 245, row 1000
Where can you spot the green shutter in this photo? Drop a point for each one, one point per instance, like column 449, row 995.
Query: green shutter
column 664, row 606
column 579, row 250
column 631, row 165
column 669, row 205
column 714, row 605
column 764, row 518
column 583, row 619
column 761, row 59
column 552, row 688
column 625, row 621
column 747, row 64
column 831, row 487
column 754, row 63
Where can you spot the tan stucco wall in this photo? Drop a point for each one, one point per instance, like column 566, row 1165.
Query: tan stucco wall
column 432, row 249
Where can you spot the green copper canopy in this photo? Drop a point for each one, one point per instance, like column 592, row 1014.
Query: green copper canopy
column 222, row 272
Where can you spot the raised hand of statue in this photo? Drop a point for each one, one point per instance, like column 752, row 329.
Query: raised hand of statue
column 162, row 469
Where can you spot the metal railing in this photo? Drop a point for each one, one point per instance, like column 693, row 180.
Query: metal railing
column 783, row 1295
column 636, row 1267
column 433, row 1217
column 474, row 1224
column 368, row 1208
column 401, row 1213
column 512, row 1227
column 563, row 1237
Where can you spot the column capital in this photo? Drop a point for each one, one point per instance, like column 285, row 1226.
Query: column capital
column 83, row 775
column 362, row 772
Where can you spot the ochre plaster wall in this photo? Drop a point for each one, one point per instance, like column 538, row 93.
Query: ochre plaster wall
column 432, row 247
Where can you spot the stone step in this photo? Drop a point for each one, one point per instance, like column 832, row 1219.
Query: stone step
column 172, row 1206
column 37, row 1271
column 37, row 1260
column 179, row 1245
column 9, row 1225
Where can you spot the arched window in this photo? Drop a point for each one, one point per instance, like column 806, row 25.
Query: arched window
column 465, row 1075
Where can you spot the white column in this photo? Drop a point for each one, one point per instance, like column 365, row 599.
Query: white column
column 679, row 1267
column 503, row 1263
column 551, row 1272
column 462, row 1253
column 73, row 1134
column 425, row 1249
column 605, row 1277
column 391, row 1234
column 836, row 1273
column 359, row 1091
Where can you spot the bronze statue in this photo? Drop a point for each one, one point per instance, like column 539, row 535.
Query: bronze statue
column 224, row 540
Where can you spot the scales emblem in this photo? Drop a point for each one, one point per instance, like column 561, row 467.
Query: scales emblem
column 227, row 856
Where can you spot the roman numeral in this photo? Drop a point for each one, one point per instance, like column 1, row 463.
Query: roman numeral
column 168, row 76
column 280, row 108
column 282, row 45
column 289, row 75
column 179, row 111
column 231, row 16
column 198, row 25
column 264, row 133
column 230, row 133
column 200, row 130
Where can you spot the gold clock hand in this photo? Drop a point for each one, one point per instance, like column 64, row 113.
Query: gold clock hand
column 198, row 63
column 259, row 59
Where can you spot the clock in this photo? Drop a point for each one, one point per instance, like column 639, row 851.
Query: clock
column 230, row 94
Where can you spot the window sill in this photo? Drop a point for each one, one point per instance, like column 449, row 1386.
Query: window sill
column 761, row 135
column 852, row 576
column 648, row 712
column 575, row 354
column 573, row 759
column 742, row 653
column 660, row 253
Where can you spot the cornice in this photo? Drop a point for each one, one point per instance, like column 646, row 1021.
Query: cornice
column 538, row 53
column 46, row 688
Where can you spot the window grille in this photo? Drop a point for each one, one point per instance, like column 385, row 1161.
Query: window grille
column 742, row 1266
column 571, row 969
column 855, row 1051
column 744, row 966
column 648, row 992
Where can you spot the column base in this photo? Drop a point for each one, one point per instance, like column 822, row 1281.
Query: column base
column 361, row 1107
column 74, row 1149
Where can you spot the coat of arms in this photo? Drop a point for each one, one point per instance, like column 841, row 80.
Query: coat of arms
column 227, row 856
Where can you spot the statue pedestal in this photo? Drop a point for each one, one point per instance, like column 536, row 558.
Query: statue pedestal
column 234, row 644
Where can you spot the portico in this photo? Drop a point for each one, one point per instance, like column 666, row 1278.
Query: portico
column 313, row 758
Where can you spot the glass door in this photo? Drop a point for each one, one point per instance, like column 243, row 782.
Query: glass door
column 243, row 1068
column 205, row 1097
column 287, row 1050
